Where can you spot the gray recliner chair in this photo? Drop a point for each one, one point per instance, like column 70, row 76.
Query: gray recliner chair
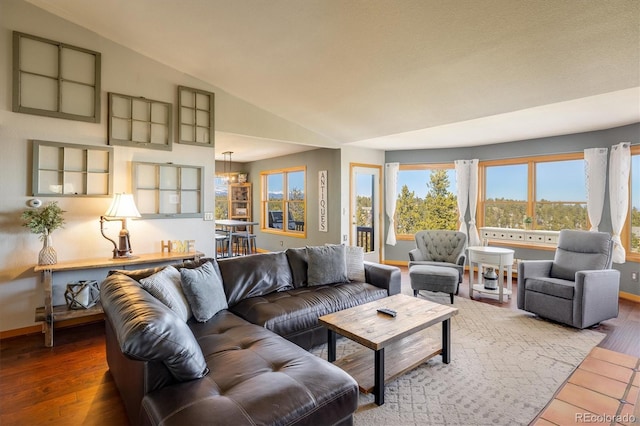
column 439, row 249
column 578, row 287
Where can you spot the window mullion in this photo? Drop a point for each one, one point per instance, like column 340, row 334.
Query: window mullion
column 531, row 190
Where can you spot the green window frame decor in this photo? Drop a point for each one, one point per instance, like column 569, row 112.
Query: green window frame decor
column 140, row 122
column 71, row 170
column 55, row 79
column 165, row 190
column 196, row 117
column 284, row 190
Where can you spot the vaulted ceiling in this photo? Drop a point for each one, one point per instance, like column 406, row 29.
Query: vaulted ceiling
column 396, row 74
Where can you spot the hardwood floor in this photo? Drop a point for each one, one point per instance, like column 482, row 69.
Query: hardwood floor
column 69, row 384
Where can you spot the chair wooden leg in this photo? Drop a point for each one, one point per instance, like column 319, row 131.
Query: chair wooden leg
column 415, row 293
column 451, row 298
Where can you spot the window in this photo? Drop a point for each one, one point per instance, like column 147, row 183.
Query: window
column 426, row 199
column 506, row 203
column 221, row 197
column 633, row 246
column 544, row 193
column 561, row 195
column 284, row 201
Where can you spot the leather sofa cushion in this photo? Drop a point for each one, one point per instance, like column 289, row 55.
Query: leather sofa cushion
column 148, row 330
column 551, row 286
column 288, row 312
column 256, row 378
column 256, row 275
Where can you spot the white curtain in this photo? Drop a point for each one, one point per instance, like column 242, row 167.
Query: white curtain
column 474, row 237
column 390, row 198
column 462, row 182
column 619, row 167
column 595, row 173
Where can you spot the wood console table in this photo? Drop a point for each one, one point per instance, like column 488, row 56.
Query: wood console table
column 50, row 313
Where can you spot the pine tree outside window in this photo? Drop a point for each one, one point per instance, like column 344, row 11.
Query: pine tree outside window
column 426, row 199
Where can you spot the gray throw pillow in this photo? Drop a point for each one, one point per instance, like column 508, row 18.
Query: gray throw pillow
column 203, row 288
column 299, row 264
column 355, row 264
column 165, row 286
column 327, row 265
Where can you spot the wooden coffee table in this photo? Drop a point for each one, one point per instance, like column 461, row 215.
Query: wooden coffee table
column 404, row 336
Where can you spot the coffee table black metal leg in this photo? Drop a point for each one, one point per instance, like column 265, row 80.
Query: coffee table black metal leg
column 446, row 341
column 331, row 345
column 378, row 391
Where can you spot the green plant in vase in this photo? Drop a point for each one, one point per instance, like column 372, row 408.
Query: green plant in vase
column 528, row 220
column 43, row 221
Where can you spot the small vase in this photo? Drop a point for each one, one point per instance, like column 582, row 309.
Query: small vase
column 47, row 255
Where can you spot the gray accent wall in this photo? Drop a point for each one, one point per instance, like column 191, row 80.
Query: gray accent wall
column 544, row 146
column 316, row 160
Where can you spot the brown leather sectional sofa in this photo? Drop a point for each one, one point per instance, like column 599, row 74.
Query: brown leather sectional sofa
column 254, row 373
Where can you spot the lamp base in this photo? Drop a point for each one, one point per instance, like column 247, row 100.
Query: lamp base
column 124, row 257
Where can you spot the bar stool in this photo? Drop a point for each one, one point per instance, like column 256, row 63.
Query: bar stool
column 222, row 244
column 245, row 242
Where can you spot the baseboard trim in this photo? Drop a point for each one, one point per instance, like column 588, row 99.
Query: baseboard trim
column 630, row 296
column 32, row 329
column 395, row 262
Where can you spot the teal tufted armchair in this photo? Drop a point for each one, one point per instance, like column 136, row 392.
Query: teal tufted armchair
column 440, row 248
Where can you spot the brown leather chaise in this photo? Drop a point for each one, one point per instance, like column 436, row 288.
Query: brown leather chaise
column 241, row 366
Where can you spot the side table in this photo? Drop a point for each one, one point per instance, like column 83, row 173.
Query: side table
column 495, row 256
column 49, row 313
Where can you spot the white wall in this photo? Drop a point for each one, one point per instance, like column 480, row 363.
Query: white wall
column 126, row 72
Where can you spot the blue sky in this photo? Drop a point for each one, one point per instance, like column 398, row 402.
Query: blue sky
column 555, row 181
column 275, row 181
column 416, row 181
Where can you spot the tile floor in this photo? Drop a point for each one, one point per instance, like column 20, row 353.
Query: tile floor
column 603, row 390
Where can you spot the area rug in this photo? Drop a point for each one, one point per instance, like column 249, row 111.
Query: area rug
column 505, row 367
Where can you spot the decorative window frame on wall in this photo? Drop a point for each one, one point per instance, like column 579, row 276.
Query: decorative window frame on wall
column 196, row 110
column 167, row 190
column 55, row 79
column 71, row 170
column 140, row 122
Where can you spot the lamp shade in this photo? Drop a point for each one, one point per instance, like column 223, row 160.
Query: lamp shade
column 122, row 206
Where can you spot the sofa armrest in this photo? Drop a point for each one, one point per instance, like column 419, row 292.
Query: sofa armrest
column 528, row 269
column 596, row 296
column 416, row 254
column 383, row 276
